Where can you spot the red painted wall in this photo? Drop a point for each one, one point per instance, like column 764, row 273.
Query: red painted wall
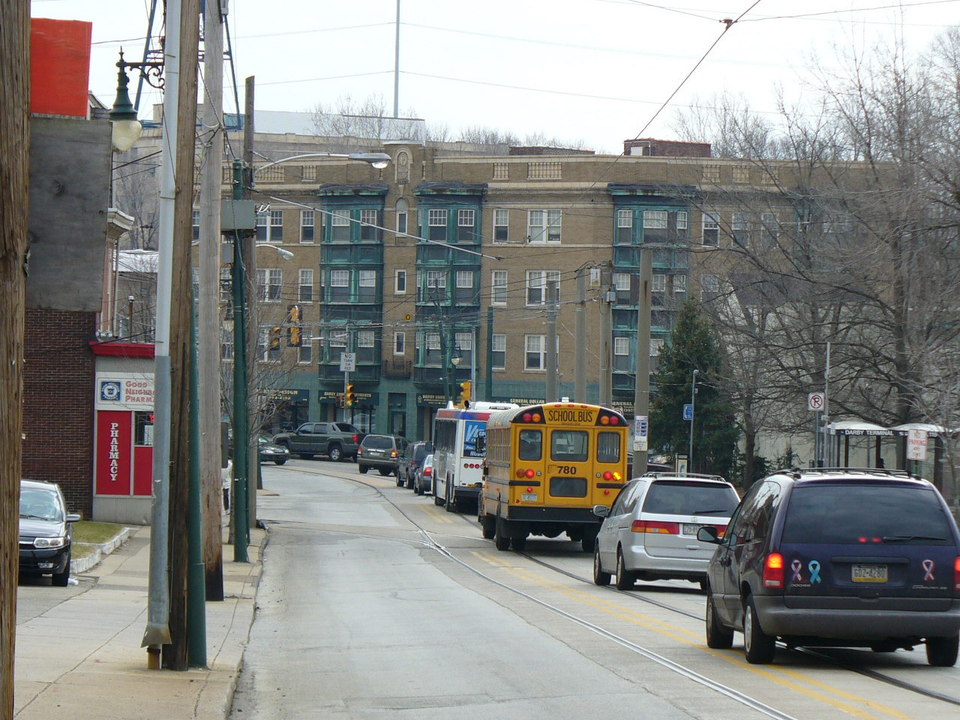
column 59, row 66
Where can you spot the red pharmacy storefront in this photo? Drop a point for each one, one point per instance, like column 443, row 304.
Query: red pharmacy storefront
column 124, row 446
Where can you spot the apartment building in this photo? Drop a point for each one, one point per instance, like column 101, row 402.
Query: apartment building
column 436, row 270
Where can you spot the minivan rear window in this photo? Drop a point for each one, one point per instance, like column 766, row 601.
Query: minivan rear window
column 671, row 497
column 378, row 442
column 865, row 514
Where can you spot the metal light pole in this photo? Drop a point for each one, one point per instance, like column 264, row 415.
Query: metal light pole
column 693, row 414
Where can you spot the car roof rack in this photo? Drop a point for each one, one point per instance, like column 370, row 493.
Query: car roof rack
column 695, row 476
column 797, row 472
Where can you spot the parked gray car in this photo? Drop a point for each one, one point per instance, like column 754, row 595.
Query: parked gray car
column 381, row 452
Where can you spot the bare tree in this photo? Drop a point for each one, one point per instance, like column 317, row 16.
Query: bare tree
column 848, row 235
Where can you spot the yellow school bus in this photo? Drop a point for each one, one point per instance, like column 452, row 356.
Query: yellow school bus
column 546, row 466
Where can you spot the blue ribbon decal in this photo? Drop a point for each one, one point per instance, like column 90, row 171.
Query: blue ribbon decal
column 814, row 568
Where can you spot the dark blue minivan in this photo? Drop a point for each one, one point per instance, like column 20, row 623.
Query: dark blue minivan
column 837, row 557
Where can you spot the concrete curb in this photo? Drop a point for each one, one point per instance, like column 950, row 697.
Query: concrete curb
column 81, row 565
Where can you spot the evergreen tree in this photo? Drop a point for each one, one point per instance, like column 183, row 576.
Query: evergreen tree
column 693, row 346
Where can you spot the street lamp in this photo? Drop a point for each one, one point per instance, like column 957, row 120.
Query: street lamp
column 123, row 115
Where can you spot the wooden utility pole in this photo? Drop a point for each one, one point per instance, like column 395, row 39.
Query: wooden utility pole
column 208, row 314
column 175, row 654
column 14, row 202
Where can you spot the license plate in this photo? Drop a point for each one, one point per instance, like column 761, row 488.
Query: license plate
column 689, row 529
column 529, row 497
column 869, row 573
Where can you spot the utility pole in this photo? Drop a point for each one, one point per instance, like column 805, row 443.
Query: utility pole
column 551, row 340
column 14, row 201
column 641, row 389
column 580, row 372
column 175, row 654
column 208, row 315
column 489, row 366
column 253, row 327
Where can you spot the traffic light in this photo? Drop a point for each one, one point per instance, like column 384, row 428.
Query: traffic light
column 294, row 335
column 466, row 387
column 351, row 397
column 275, row 333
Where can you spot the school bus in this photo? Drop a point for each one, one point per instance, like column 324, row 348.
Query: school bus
column 546, row 466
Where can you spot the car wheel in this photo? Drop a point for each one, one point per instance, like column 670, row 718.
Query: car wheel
column 363, row 469
column 63, row 579
column 488, row 526
column 279, row 461
column 599, row 576
column 417, row 489
column 625, row 578
column 410, row 482
column 451, row 502
column 589, row 539
column 942, row 651
column 399, row 480
column 335, row 453
column 757, row 645
column 500, row 537
column 718, row 637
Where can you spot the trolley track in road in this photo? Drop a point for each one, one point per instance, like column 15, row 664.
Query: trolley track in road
column 633, row 647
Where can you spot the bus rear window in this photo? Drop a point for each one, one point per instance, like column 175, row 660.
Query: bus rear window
column 531, row 445
column 608, row 447
column 569, row 445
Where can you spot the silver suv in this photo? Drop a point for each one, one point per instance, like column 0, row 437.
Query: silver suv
column 650, row 533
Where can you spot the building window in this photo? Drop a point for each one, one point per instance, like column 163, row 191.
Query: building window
column 463, row 344
column 659, row 283
column 370, row 226
column 622, row 354
column 340, row 226
column 306, row 226
column 769, row 229
column 402, row 210
column 339, row 285
column 501, row 171
column 226, row 284
column 499, row 352
column 740, row 228
column 709, row 285
column 305, row 293
column 464, row 279
column 624, row 233
column 400, row 282
column 367, row 286
column 466, row 221
column 305, row 351
column 365, row 345
column 654, row 219
column 196, row 224
column 543, row 226
column 226, row 346
column 711, row 229
column 436, row 280
column 621, row 282
column 537, row 281
column 437, row 224
column 681, row 220
column 270, row 284
column 679, row 283
column 399, row 343
column 432, row 355
column 498, row 287
column 535, row 352
column 269, row 343
column 501, row 225
column 270, row 226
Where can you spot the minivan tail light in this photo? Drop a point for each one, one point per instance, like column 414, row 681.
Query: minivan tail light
column 653, row 526
column 956, row 576
column 773, row 571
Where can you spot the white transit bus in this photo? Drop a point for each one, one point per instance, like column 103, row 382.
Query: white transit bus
column 459, row 446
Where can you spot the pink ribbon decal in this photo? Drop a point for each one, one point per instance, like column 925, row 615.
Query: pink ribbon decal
column 928, row 567
column 796, row 565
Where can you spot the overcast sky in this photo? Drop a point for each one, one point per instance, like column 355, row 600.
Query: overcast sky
column 593, row 71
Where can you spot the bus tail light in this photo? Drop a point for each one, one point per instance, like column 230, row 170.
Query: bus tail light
column 773, row 571
column 653, row 526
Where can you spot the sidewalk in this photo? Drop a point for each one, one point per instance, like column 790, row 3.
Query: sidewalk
column 82, row 658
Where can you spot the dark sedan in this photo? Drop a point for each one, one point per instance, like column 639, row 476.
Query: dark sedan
column 45, row 540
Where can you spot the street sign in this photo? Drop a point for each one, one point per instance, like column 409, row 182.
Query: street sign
column 348, row 362
column 640, row 427
column 816, row 401
column 916, row 444
column 687, row 411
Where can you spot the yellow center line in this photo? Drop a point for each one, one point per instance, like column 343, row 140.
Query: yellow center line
column 796, row 681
